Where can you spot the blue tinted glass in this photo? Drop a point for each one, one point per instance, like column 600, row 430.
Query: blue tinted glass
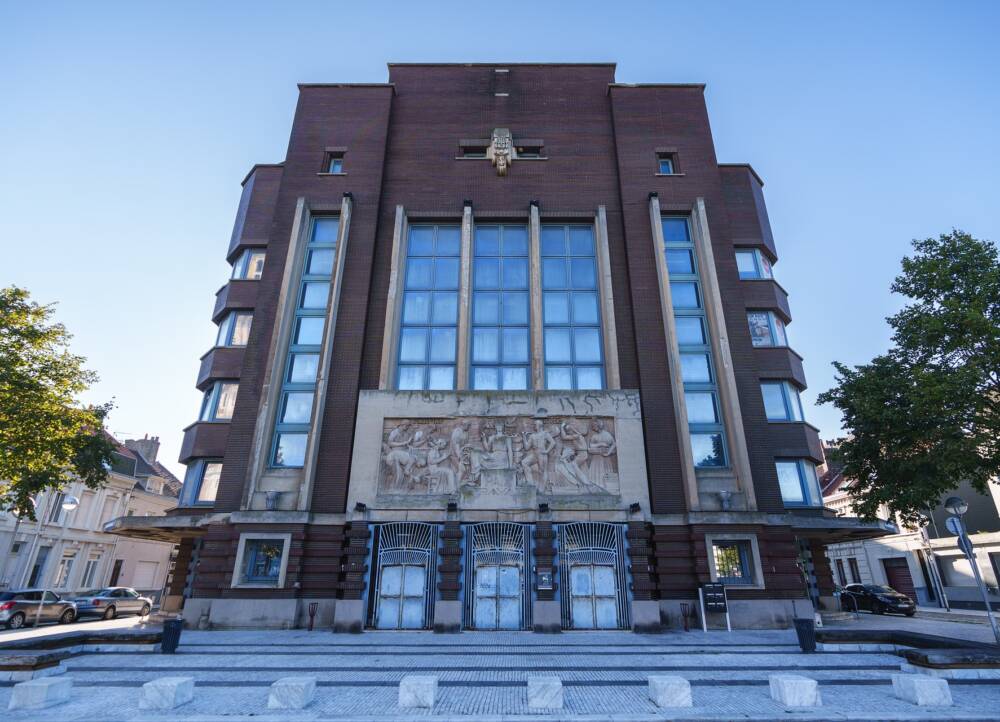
column 690, row 331
column 585, row 308
column 416, row 306
column 442, row 345
column 441, row 377
column 315, row 294
column 445, row 308
column 309, row 331
column 413, row 345
column 486, row 308
column 708, row 450
column 487, row 241
column 675, row 230
column 515, row 345
column 303, row 367
column 320, row 262
column 584, row 273
column 556, row 307
column 421, row 241
column 325, row 230
column 291, row 450
column 557, row 345
column 554, row 273
column 514, row 378
column 553, row 241
column 485, row 345
column 515, row 273
column 581, row 241
column 684, row 294
column 486, row 273
column 515, row 308
column 411, row 378
column 446, row 273
column 587, row 345
column 515, row 241
column 449, row 241
column 485, row 378
column 419, row 273
column 297, row 407
column 679, row 260
column 666, row 166
column 701, row 407
column 558, row 377
column 694, row 368
column 589, row 377
column 746, row 264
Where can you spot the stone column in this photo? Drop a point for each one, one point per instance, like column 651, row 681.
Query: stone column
column 645, row 600
column 448, row 609
column 350, row 612
column 546, row 613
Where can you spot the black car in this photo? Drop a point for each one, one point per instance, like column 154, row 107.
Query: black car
column 875, row 598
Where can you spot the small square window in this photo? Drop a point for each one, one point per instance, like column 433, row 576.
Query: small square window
column 666, row 164
column 470, row 151
column 733, row 564
column 529, row 151
column 335, row 163
column 262, row 561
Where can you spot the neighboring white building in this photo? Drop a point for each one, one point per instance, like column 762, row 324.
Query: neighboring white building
column 69, row 551
column 904, row 561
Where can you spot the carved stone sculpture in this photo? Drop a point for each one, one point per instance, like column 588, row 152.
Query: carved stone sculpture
column 500, row 150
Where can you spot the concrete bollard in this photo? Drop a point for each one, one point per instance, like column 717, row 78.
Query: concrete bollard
column 40, row 693
column 291, row 693
column 669, row 691
column 922, row 690
column 544, row 692
column 418, row 690
column 166, row 693
column 794, row 690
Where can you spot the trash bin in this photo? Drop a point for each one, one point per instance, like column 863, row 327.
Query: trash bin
column 805, row 630
column 171, row 635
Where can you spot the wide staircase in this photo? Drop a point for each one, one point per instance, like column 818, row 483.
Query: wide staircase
column 483, row 675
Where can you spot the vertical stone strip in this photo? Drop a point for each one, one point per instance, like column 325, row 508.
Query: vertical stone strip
column 387, row 368
column 545, row 557
column 640, row 552
column 535, row 266
column 464, row 301
column 450, row 561
column 353, row 572
column 610, row 332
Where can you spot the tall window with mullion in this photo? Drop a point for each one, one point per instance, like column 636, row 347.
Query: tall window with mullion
column 574, row 353
column 298, row 387
column 701, row 391
column 428, row 330
column 500, row 349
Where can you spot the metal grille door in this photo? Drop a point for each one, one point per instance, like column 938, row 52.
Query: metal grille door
column 404, row 575
column 497, row 594
column 592, row 570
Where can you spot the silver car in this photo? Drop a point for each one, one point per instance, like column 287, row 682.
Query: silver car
column 19, row 607
column 109, row 602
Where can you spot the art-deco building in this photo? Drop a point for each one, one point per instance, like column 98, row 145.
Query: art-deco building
column 502, row 349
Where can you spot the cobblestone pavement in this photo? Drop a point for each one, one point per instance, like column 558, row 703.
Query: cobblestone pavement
column 956, row 629
column 482, row 677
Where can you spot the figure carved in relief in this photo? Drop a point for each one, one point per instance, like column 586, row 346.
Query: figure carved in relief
column 602, row 447
column 538, row 444
column 440, row 476
column 398, row 454
column 459, row 439
column 572, row 462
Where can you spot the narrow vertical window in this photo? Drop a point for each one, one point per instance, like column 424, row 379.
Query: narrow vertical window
column 798, row 483
column 428, row 331
column 298, row 382
column 701, row 392
column 500, row 348
column 574, row 352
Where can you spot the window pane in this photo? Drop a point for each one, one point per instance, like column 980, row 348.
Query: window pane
column 760, row 329
column 298, row 408
column 701, row 407
column 666, row 166
column 413, row 345
column 310, row 331
column 485, row 378
column 684, row 294
column 707, row 450
column 416, row 307
column 209, row 482
column 442, row 345
column 486, row 273
column 291, row 450
column 553, row 241
column 449, row 240
column 446, row 273
column 789, row 482
column 694, row 368
column 411, row 378
column 487, row 240
column 445, row 308
column 675, row 230
column 325, row 230
column 584, row 274
column 485, row 345
column 745, row 264
column 554, row 273
column 587, row 345
column 779, row 331
column 421, row 241
column 320, row 262
column 585, row 308
column 241, row 329
column 255, row 265
column 774, row 402
column 227, row 401
column 486, row 308
column 441, row 378
column 303, row 367
column 581, row 241
column 419, row 273
column 690, row 331
column 557, row 349
column 515, row 241
column 315, row 294
column 589, row 377
column 679, row 260
column 765, row 266
column 556, row 307
column 514, row 378
column 515, row 273
column 795, row 402
column 515, row 308
column 515, row 345
column 558, row 377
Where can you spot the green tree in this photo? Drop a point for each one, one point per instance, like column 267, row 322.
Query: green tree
column 926, row 414
column 46, row 437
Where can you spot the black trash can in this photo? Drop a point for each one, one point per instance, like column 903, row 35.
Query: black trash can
column 171, row 635
column 805, row 630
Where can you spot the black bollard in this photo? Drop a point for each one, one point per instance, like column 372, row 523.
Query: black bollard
column 805, row 630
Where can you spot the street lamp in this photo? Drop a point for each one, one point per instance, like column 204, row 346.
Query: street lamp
column 957, row 506
column 69, row 504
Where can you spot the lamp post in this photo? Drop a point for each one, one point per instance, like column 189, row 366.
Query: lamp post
column 69, row 504
column 957, row 506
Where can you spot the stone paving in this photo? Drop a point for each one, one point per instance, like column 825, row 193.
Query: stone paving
column 483, row 677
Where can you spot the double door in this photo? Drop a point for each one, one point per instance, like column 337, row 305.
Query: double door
column 499, row 600
column 402, row 597
column 593, row 596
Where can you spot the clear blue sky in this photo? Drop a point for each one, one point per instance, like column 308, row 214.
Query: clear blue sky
column 125, row 130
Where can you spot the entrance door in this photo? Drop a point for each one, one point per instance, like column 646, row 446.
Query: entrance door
column 594, row 593
column 897, row 573
column 498, row 597
column 401, row 599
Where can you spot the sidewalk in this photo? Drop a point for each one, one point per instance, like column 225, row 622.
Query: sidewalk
column 969, row 616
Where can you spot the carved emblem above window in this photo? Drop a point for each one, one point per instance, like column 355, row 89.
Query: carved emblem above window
column 501, row 150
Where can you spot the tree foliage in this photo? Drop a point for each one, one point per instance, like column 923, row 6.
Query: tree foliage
column 925, row 415
column 46, row 437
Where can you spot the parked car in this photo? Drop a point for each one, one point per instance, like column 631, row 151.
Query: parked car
column 19, row 607
column 109, row 602
column 875, row 598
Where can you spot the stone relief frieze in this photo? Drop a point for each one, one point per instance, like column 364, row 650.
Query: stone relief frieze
column 499, row 456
